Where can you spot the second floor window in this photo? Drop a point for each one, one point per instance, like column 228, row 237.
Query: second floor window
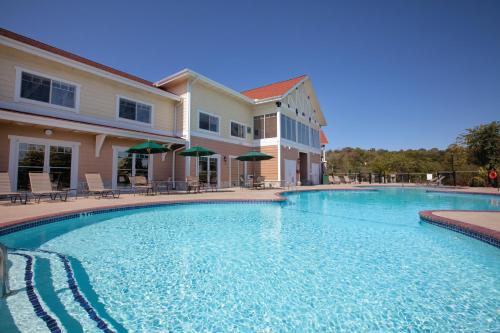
column 265, row 126
column 135, row 111
column 208, row 122
column 46, row 90
column 238, row 130
column 303, row 131
column 288, row 128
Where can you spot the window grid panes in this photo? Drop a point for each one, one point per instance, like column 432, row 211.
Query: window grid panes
column 315, row 138
column 42, row 89
column 303, row 131
column 288, row 128
column 265, row 126
column 238, row 130
column 208, row 123
column 136, row 111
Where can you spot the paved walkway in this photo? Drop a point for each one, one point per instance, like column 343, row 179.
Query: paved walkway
column 11, row 214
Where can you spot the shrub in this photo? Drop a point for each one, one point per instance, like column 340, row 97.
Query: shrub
column 477, row 181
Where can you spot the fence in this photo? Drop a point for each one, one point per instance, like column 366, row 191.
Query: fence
column 451, row 178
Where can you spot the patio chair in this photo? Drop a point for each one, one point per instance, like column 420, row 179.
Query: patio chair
column 140, row 183
column 41, row 186
column 336, row 180
column 192, row 184
column 436, row 181
column 6, row 189
column 347, row 180
column 259, row 183
column 96, row 186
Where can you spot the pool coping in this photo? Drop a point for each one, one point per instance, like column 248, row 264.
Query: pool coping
column 483, row 234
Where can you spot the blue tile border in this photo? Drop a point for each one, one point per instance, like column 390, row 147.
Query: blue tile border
column 47, row 220
column 33, row 298
column 427, row 218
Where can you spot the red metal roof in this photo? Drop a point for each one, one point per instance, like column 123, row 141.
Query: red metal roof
column 322, row 138
column 69, row 55
column 273, row 90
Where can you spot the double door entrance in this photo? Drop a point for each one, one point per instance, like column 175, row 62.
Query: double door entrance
column 208, row 170
column 57, row 158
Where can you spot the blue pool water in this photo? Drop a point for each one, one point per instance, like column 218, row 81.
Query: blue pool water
column 324, row 261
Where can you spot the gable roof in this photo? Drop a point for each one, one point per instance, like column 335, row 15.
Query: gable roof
column 276, row 89
column 145, row 84
column 322, row 138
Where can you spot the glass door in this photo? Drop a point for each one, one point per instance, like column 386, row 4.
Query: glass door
column 54, row 159
column 208, row 168
column 60, row 166
column 31, row 158
column 128, row 165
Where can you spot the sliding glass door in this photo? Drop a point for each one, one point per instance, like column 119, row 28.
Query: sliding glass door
column 39, row 155
column 208, row 170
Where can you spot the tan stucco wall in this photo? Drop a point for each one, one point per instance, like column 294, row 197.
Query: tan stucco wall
column 97, row 95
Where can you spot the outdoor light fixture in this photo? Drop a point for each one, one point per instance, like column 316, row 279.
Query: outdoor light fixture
column 48, row 132
column 225, row 158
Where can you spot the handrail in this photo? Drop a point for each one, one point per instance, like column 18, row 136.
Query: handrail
column 4, row 273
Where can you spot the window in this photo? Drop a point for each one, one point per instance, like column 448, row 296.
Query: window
column 238, row 130
column 208, row 122
column 42, row 89
column 315, row 138
column 134, row 111
column 288, row 128
column 303, row 133
column 265, row 126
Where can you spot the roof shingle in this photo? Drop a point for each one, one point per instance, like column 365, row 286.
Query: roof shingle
column 273, row 90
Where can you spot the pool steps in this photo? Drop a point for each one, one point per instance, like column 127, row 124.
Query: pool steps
column 51, row 314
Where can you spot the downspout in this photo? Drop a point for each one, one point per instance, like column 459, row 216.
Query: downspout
column 278, row 126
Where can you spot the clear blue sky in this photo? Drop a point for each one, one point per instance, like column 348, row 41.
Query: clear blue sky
column 389, row 74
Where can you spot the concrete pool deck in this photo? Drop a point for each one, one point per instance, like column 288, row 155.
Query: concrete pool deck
column 486, row 223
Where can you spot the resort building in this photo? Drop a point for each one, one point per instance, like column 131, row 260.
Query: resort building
column 67, row 115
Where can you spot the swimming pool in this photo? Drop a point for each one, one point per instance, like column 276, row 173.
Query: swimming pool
column 346, row 261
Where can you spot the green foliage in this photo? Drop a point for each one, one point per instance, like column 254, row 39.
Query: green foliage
column 477, row 181
column 478, row 147
column 483, row 144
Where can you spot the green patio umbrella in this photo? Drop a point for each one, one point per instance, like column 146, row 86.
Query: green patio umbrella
column 148, row 147
column 197, row 151
column 254, row 156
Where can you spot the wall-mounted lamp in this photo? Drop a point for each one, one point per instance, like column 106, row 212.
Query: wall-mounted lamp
column 48, row 132
column 225, row 159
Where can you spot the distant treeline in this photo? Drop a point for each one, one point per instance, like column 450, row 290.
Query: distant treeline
column 478, row 149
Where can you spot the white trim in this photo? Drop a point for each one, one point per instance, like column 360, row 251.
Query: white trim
column 14, row 155
column 301, row 147
column 17, row 90
column 95, row 129
column 198, row 111
column 84, row 67
column 278, row 133
column 192, row 74
column 204, row 135
column 99, row 141
column 245, row 126
column 219, row 171
column 137, row 122
column 187, row 160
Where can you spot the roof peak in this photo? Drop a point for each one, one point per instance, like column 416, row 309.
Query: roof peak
column 276, row 89
column 277, row 82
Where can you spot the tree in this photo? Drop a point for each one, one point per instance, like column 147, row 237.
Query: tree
column 483, row 144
